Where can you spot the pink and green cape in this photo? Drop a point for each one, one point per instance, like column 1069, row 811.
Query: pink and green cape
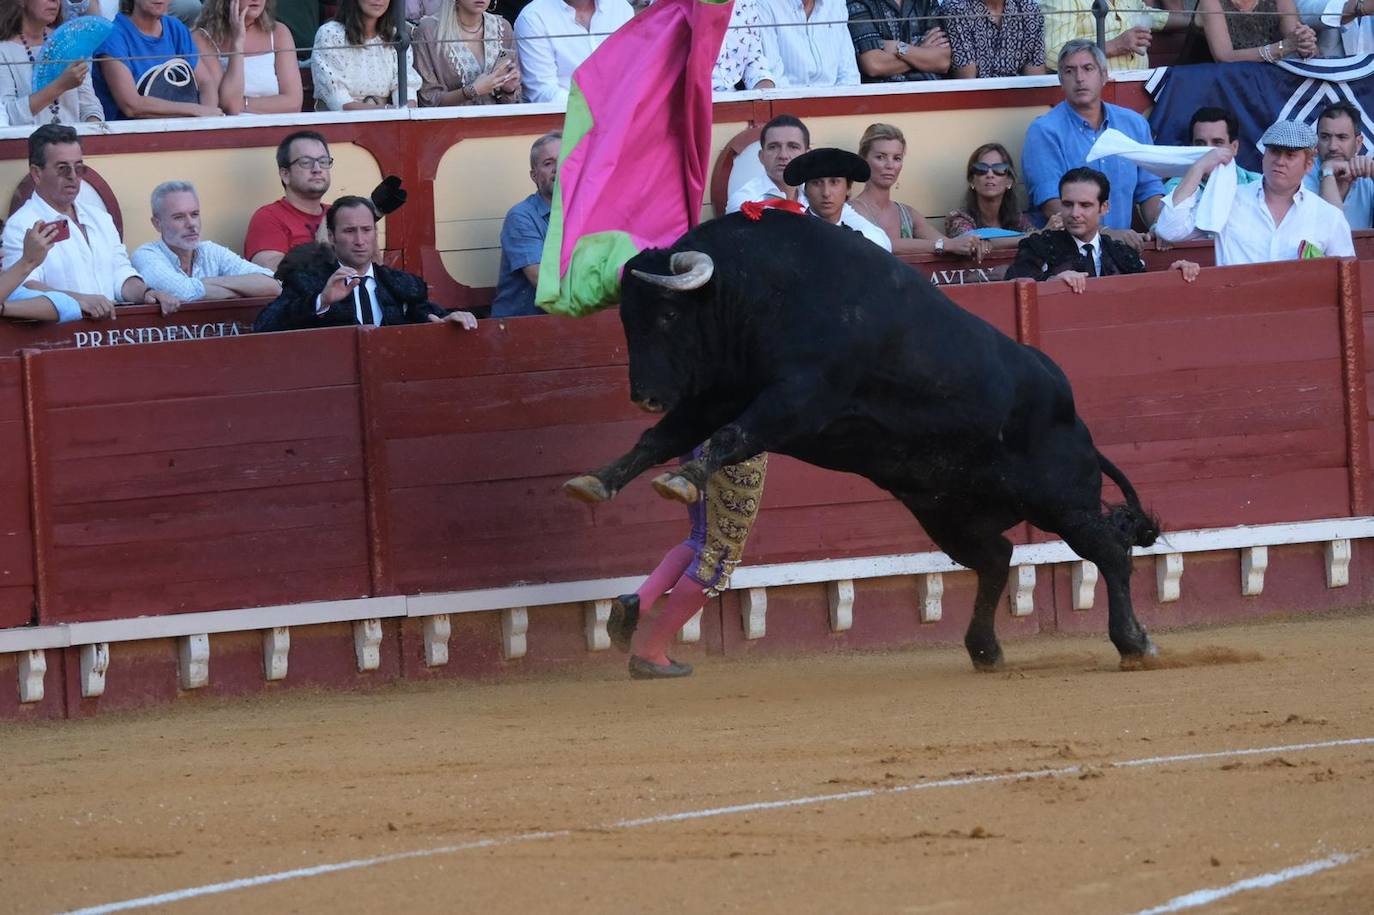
column 634, row 161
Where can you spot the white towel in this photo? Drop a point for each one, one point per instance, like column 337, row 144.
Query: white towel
column 1213, row 207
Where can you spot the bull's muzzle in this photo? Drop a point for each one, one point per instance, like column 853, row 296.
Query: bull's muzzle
column 691, row 270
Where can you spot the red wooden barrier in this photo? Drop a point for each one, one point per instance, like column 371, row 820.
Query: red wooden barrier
column 219, row 474
column 16, row 529
column 339, row 463
column 1222, row 400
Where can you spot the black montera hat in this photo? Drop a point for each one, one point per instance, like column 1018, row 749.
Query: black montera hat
column 826, row 162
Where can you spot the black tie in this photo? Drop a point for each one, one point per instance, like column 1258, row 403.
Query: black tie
column 365, row 304
column 1088, row 253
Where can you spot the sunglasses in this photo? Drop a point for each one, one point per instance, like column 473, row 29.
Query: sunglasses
column 67, row 170
column 998, row 168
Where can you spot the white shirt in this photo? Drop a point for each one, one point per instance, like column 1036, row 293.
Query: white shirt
column 346, row 73
column 1333, row 39
column 160, row 268
column 1096, row 242
column 96, row 263
column 760, row 188
column 551, row 44
column 814, row 51
column 850, row 217
column 370, row 282
column 1249, row 235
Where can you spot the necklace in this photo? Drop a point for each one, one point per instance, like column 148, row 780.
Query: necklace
column 34, row 62
column 471, row 31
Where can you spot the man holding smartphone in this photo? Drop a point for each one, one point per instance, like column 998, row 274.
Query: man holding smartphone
column 88, row 261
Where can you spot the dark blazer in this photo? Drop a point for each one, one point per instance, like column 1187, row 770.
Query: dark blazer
column 1046, row 254
column 403, row 297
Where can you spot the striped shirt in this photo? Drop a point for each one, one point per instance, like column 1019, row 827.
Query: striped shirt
column 1066, row 20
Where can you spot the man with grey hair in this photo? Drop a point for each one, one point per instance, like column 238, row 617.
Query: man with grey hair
column 522, row 234
column 1059, row 140
column 188, row 267
column 1273, row 219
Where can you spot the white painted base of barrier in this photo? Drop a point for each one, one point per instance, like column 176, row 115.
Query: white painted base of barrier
column 193, row 630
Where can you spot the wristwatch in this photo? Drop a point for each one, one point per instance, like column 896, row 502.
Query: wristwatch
column 940, row 245
column 902, row 48
column 1328, row 171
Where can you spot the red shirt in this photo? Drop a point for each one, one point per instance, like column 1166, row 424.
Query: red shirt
column 280, row 227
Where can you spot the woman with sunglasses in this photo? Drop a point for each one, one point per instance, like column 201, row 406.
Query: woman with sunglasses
column 991, row 207
column 883, row 147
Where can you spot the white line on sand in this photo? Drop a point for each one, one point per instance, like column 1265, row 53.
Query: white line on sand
column 243, row 883
column 1263, row 881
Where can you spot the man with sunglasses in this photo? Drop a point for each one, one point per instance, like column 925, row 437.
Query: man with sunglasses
column 87, row 261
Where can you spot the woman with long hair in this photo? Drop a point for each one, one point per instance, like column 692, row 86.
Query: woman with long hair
column 251, row 54
column 70, row 99
column 354, row 59
column 149, row 67
column 883, row 147
column 466, row 56
column 991, row 201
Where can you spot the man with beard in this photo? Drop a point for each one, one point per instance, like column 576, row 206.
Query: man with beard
column 303, row 164
column 1274, row 219
column 187, row 265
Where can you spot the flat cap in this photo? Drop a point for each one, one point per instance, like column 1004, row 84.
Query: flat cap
column 826, row 162
column 1289, row 135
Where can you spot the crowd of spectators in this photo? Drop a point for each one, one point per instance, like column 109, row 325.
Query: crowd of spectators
column 191, row 58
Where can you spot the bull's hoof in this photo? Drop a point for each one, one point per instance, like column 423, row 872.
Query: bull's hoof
column 587, row 488
column 674, row 486
column 1140, row 660
column 986, row 660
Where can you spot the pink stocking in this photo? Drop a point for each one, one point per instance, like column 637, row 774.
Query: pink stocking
column 687, row 598
column 674, row 562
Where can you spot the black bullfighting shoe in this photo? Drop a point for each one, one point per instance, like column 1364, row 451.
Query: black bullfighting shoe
column 641, row 669
column 623, row 621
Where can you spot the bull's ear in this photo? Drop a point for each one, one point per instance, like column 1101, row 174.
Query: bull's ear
column 691, row 270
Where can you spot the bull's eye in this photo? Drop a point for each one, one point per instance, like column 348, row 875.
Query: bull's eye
column 667, row 317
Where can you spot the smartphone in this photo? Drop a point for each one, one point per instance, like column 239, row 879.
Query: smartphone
column 64, row 230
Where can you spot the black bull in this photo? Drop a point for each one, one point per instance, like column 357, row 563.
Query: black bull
column 797, row 337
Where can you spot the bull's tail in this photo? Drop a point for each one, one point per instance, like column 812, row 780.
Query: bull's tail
column 1137, row 526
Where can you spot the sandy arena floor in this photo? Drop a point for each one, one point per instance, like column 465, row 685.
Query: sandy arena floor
column 127, row 806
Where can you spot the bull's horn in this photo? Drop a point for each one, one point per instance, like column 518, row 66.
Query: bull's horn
column 691, row 270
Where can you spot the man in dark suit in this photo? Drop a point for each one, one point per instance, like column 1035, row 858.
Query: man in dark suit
column 1080, row 250
column 356, row 291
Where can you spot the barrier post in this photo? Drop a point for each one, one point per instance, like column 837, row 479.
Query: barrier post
column 1100, row 10
column 403, row 44
column 1353, row 369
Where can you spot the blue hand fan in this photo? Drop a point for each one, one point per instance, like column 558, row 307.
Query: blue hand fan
column 73, row 40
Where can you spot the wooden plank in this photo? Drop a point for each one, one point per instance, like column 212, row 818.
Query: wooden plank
column 500, row 402
column 1201, row 343
column 188, row 471
column 498, row 347
column 208, row 421
column 233, row 365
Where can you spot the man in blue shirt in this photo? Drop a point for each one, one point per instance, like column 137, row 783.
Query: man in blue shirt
column 1343, row 177
column 522, row 234
column 1059, row 140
